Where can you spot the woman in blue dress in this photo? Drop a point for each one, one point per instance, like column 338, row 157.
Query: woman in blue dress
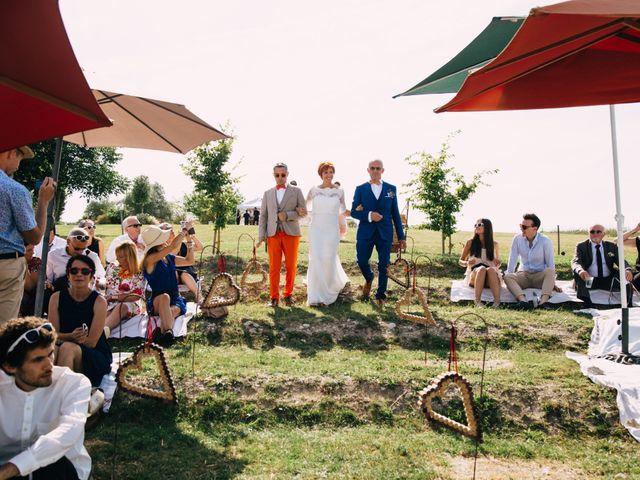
column 78, row 314
column 159, row 268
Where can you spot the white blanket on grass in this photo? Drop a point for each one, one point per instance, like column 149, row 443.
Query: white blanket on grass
column 462, row 292
column 624, row 378
column 137, row 326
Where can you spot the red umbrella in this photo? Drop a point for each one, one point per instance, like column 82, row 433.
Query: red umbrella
column 575, row 53
column 43, row 93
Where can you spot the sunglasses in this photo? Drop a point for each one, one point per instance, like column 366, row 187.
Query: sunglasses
column 279, row 175
column 135, row 225
column 31, row 336
column 90, row 227
column 81, row 238
column 375, row 168
column 592, row 232
column 524, row 227
column 478, row 225
column 83, row 271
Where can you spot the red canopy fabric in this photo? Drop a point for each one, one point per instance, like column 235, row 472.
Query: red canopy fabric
column 575, row 53
column 43, row 93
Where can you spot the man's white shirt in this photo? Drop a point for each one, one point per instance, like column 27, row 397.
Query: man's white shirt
column 376, row 189
column 58, row 259
column 116, row 242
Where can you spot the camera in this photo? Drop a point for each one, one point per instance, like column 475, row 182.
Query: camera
column 191, row 231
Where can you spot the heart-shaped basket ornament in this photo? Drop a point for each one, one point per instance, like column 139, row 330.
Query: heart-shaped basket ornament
column 437, row 389
column 253, row 268
column 223, row 292
column 166, row 391
column 407, row 300
column 400, row 272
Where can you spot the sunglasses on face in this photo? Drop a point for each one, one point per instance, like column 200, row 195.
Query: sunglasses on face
column 524, row 227
column 90, row 227
column 135, row 225
column 82, row 238
column 84, row 271
column 478, row 225
column 593, row 232
column 280, row 175
column 31, row 336
column 375, row 168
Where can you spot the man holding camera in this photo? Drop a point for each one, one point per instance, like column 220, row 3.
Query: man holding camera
column 18, row 225
column 595, row 266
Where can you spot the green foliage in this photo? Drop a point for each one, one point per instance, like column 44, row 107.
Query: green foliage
column 88, row 171
column 146, row 198
column 215, row 196
column 103, row 211
column 439, row 191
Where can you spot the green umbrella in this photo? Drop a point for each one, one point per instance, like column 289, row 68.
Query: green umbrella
column 484, row 48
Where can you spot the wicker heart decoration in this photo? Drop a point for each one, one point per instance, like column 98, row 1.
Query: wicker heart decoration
column 438, row 389
column 398, row 271
column 167, row 391
column 409, row 295
column 223, row 292
column 253, row 268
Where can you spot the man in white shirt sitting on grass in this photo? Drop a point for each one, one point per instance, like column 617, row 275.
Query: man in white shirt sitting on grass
column 44, row 407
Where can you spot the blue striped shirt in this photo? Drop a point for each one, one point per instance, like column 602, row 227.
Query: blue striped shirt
column 16, row 214
column 534, row 258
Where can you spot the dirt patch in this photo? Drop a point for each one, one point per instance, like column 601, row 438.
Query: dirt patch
column 494, row 468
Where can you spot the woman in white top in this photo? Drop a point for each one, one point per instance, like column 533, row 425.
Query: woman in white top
column 481, row 257
column 325, row 276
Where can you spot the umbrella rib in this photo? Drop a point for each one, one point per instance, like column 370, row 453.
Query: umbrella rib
column 202, row 124
column 142, row 122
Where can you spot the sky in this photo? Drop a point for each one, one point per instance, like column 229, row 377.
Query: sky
column 305, row 82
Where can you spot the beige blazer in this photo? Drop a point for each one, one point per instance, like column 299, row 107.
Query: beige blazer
column 268, row 223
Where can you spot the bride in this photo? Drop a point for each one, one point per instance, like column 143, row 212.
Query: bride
column 325, row 276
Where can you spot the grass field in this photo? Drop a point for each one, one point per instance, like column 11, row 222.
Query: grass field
column 312, row 393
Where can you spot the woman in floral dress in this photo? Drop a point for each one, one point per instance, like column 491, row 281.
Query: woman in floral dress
column 125, row 286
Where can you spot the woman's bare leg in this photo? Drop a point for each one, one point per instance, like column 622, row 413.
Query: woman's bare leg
column 479, row 283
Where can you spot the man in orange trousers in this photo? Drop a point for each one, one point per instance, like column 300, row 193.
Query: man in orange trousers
column 281, row 208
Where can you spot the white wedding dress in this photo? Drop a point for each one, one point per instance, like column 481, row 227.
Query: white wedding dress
column 325, row 276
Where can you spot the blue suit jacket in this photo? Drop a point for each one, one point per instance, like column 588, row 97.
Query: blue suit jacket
column 386, row 205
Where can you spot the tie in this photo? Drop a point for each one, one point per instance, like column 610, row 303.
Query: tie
column 280, row 187
column 599, row 261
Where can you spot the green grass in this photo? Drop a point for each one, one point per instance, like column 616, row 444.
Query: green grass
column 332, row 393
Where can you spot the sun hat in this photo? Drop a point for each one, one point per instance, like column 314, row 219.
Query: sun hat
column 26, row 152
column 153, row 236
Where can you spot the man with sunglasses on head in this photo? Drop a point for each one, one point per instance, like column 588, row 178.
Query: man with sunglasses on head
column 78, row 242
column 18, row 225
column 44, row 407
column 132, row 228
column 595, row 266
column 537, row 269
column 281, row 208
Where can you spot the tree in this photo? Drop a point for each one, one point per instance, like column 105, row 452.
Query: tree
column 88, row 171
column 103, row 211
column 215, row 196
column 439, row 191
column 139, row 196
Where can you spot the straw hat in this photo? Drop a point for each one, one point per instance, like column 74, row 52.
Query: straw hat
column 26, row 152
column 154, row 236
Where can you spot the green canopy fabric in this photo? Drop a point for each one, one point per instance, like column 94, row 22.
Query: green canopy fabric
column 484, row 48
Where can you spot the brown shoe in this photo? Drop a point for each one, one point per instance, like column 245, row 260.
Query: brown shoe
column 380, row 302
column 273, row 303
column 366, row 289
column 288, row 301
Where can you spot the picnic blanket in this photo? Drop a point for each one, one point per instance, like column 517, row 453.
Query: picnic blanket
column 605, row 365
column 137, row 326
column 461, row 292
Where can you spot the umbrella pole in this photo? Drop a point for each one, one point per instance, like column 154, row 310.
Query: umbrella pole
column 45, row 238
column 624, row 337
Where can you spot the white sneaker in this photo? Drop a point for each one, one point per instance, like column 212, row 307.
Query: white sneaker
column 96, row 401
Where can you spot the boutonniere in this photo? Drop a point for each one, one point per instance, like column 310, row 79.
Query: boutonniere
column 390, row 194
column 611, row 254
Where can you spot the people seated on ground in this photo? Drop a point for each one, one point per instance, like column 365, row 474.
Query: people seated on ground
column 125, row 286
column 537, row 269
column 631, row 239
column 187, row 275
column 132, row 228
column 97, row 245
column 54, row 242
column 78, row 314
column 27, row 306
column 78, row 242
column 44, row 408
column 159, row 268
column 595, row 266
column 481, row 257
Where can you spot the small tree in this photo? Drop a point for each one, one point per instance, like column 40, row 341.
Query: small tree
column 139, row 196
column 439, row 191
column 102, row 211
column 215, row 196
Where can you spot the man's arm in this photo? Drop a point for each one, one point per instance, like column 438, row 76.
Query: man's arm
column 361, row 215
column 111, row 253
column 397, row 219
column 513, row 256
column 45, row 194
column 300, row 204
column 549, row 262
column 262, row 221
column 576, row 262
column 53, row 445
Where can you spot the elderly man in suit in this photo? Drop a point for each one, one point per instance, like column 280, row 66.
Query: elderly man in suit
column 595, row 265
column 281, row 208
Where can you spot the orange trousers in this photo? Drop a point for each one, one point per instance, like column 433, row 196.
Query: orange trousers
column 277, row 245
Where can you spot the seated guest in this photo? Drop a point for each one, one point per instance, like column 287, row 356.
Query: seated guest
column 125, row 286
column 596, row 262
column 534, row 250
column 27, row 306
column 54, row 242
column 481, row 257
column 78, row 314
column 187, row 275
column 631, row 239
column 97, row 245
column 78, row 242
column 159, row 268
column 44, row 408
column 132, row 228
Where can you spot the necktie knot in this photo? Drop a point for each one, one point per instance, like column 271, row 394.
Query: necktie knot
column 280, row 187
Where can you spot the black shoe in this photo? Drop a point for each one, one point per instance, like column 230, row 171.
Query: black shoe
column 273, row 303
column 288, row 301
column 167, row 339
column 522, row 305
column 546, row 306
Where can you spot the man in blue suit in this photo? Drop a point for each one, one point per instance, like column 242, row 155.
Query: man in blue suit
column 375, row 206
